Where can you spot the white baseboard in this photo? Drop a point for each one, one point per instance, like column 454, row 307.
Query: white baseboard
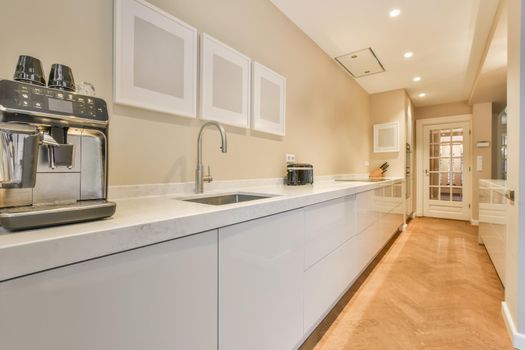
column 474, row 222
column 518, row 339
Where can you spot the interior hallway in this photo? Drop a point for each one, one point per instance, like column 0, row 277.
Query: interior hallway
column 435, row 288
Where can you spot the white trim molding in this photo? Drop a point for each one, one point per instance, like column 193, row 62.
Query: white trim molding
column 518, row 339
column 474, row 222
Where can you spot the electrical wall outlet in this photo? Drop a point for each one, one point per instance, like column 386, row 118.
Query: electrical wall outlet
column 289, row 158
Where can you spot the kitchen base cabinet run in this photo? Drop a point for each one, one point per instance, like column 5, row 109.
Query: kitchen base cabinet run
column 163, row 296
column 261, row 283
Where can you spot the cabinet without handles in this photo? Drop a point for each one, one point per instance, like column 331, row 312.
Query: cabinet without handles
column 261, row 283
column 162, row 296
column 328, row 225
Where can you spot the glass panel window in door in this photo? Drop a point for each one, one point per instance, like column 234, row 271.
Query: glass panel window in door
column 445, row 136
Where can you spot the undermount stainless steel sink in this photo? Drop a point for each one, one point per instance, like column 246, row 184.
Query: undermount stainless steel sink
column 223, row 199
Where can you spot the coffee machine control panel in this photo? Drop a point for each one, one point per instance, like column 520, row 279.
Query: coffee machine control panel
column 16, row 95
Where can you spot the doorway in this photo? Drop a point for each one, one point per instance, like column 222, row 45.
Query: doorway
column 444, row 178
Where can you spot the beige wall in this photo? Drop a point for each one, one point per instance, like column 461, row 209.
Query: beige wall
column 387, row 107
column 481, row 131
column 443, row 110
column 327, row 112
column 514, row 255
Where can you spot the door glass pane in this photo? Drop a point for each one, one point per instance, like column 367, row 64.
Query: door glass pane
column 444, row 150
column 457, row 194
column 434, row 193
column 434, row 179
column 445, row 193
column 444, row 164
column 434, row 136
column 457, row 164
column 434, row 150
column 457, row 150
column 434, row 164
column 444, row 179
column 457, row 134
column 445, row 136
column 457, row 179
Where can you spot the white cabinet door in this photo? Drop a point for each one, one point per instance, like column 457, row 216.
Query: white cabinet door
column 261, row 283
column 328, row 225
column 158, row 297
column 366, row 208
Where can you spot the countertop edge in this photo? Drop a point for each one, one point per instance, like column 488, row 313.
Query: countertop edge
column 18, row 260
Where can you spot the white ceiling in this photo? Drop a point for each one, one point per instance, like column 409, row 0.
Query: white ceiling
column 447, row 37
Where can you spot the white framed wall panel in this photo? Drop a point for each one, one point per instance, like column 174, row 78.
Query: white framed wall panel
column 386, row 137
column 268, row 100
column 155, row 59
column 224, row 83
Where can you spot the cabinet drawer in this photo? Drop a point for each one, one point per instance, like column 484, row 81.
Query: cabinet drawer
column 327, row 280
column 327, row 226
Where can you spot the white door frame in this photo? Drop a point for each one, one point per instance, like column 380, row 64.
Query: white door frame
column 420, row 124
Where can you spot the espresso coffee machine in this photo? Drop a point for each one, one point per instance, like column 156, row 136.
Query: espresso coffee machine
column 54, row 146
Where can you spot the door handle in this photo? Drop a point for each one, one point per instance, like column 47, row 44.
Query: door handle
column 426, row 172
column 510, row 195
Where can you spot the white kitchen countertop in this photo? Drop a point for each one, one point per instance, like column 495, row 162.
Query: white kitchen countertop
column 141, row 221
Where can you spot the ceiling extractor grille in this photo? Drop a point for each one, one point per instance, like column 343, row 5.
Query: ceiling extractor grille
column 361, row 63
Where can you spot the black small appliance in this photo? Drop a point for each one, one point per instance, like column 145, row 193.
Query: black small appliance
column 299, row 174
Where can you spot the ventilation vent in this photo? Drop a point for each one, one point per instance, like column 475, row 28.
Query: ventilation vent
column 361, row 63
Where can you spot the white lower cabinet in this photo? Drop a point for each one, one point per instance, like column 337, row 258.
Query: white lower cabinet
column 261, row 283
column 328, row 225
column 158, row 297
column 326, row 281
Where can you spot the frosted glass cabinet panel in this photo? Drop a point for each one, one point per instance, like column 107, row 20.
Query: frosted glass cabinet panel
column 225, row 83
column 163, row 296
column 155, row 63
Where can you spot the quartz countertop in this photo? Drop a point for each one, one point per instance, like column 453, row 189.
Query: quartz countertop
column 141, row 221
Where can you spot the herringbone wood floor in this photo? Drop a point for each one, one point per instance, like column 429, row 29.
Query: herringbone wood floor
column 435, row 288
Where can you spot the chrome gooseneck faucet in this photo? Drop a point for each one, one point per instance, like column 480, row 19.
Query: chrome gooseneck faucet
column 199, row 177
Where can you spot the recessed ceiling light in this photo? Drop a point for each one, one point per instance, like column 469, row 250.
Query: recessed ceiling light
column 423, row 94
column 408, row 54
column 416, row 79
column 394, row 13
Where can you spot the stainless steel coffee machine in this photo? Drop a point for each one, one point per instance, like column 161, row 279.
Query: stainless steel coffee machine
column 53, row 146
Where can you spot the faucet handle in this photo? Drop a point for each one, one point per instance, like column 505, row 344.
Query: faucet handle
column 208, row 178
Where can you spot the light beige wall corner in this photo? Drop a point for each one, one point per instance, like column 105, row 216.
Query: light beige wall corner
column 515, row 264
column 481, row 131
column 387, row 107
column 443, row 110
column 327, row 111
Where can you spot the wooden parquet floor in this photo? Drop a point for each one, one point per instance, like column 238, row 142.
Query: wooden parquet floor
column 435, row 288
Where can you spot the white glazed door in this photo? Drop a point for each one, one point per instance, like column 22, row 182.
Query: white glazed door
column 446, row 161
